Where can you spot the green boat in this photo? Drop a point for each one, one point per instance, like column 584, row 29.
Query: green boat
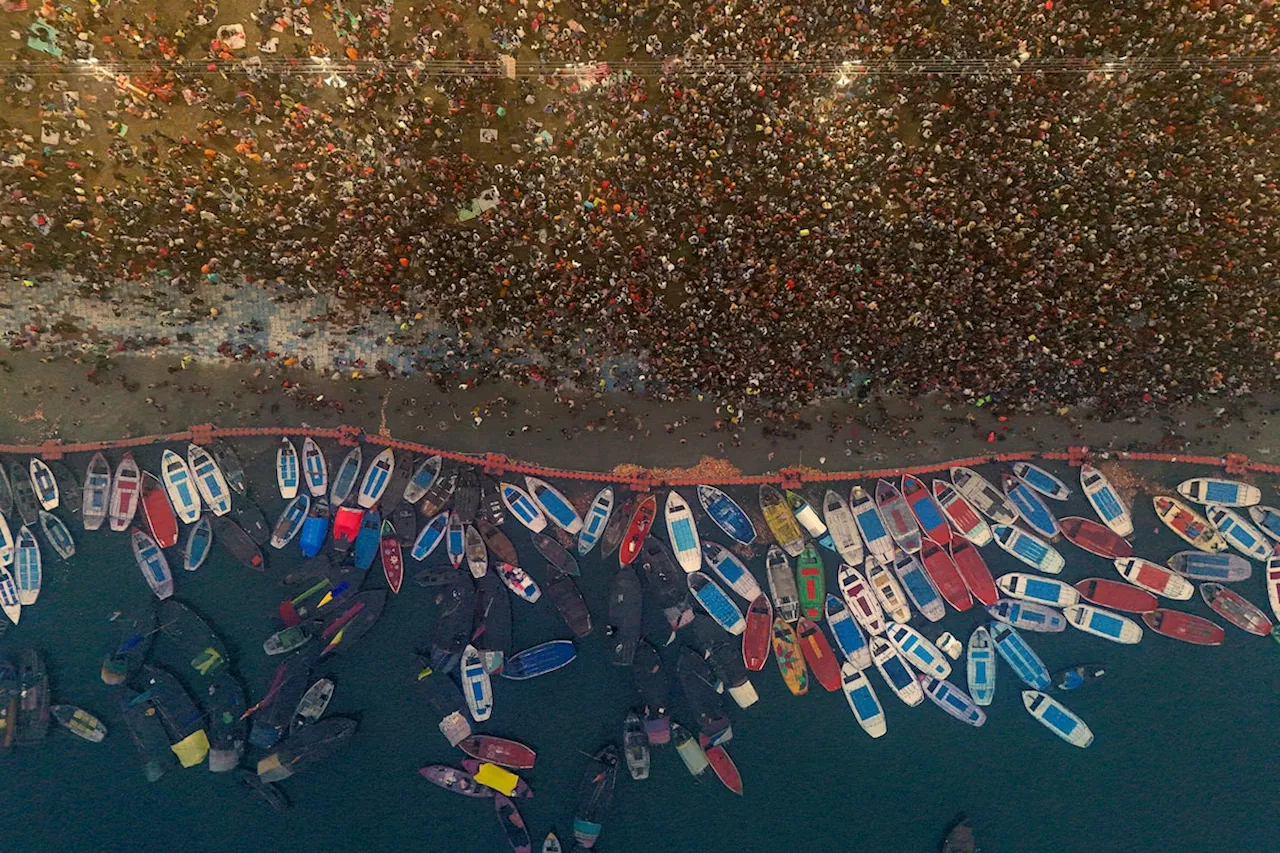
column 811, row 579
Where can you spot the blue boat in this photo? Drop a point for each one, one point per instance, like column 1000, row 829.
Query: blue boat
column 1057, row 718
column 1041, row 480
column 430, row 537
column 1241, row 534
column 368, row 540
column 1032, row 550
column 58, row 535
column 344, row 482
column 199, row 543
column 597, row 518
column 953, row 700
column 1211, row 490
column 539, row 660
column 27, row 566
column 1104, row 500
column 455, row 539
column 376, row 479
column 554, row 504
column 1030, row 507
column 730, row 569
column 849, row 637
column 1028, row 616
column 716, row 602
column 1015, row 651
column 315, row 529
column 919, row 586
column 1222, row 568
column 523, row 508
column 727, row 514
column 981, row 666
column 313, row 465
column 1268, row 520
column 874, row 534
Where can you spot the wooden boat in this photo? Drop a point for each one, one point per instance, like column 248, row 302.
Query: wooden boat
column 874, row 535
column 125, row 493
column 730, row 569
column 291, row 520
column 811, row 583
column 981, row 666
column 513, row 825
column 392, row 557
column 755, row 638
column 842, row 529
column 637, row 529
column 147, row 732
column 405, row 518
column 199, row 544
column 314, row 469
column 441, row 493
column 619, row 519
column 652, row 686
column 1116, row 595
column 782, row 585
column 210, row 481
column 1025, row 663
column 1188, row 525
column 467, row 495
column 158, row 513
column 861, row 600
column 1041, row 480
column 595, row 795
column 97, row 492
column 180, row 487
column 1028, row 615
column 28, row 571
column 887, row 589
column 57, row 534
column 1267, row 519
column 1095, row 538
column 455, row 539
column 519, row 582
column 716, row 602
column 635, row 746
column 1027, row 587
column 430, row 537
column 312, row 705
column 344, row 482
column 983, row 496
column 1033, row 551
column 230, row 465
column 519, row 504
column 593, row 526
column 1103, row 623
column 310, row 746
column 6, row 543
column 424, row 476
column 725, row 512
column 926, row 510
column 1183, row 626
column 780, row 520
column 155, row 568
column 182, row 720
column 315, row 529
column 849, row 638
column 232, row 537
column 791, row 662
column 896, row 672
column 1105, row 500
column 626, row 602
column 897, row 516
column 945, row 575
column 6, row 493
column 539, row 660
column 952, row 699
column 43, row 484
column 918, row 586
column 1056, row 718
column 923, row 655
column 287, row 640
column 1031, row 509
column 807, row 517
column 964, row 519
column 500, row 751
column 554, row 505
column 375, row 479
column 690, row 752
column 368, row 540
column 9, row 600
column 1223, row 568
column 1242, row 535
column 1273, row 581
column 353, row 622
column 1235, row 608
column 683, row 533
column 477, row 554
column 1213, row 490
column 726, row 771
column 79, row 722
column 973, row 571
column 24, row 494
column 862, row 700
column 1147, row 575
column 288, row 475
column 454, row 780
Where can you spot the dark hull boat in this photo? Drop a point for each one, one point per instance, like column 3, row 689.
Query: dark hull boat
column 310, row 746
column 231, row 467
column 352, row 622
column 265, row 793
column 491, row 508
column 455, row 622
column 252, row 521
column 148, row 734
column 698, row 685
column 499, row 546
column 274, row 712
column 188, row 641
column 595, row 795
column 33, row 700
column 466, row 498
column 183, row 721
column 224, row 703
column 233, row 537
column 570, row 603
column 493, row 635
column 626, row 611
column 555, row 554
column 137, row 632
column 501, row 751
column 512, row 824
column 667, row 583
column 650, row 678
column 405, row 519
column 444, row 703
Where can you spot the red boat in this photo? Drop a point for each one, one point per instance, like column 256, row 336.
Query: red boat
column 346, row 524
column 1095, row 538
column 392, row 556
column 722, row 764
column 973, row 569
column 926, row 510
column 499, row 750
column 158, row 511
column 1116, row 595
column 963, row 516
column 818, row 654
column 641, row 521
column 1183, row 626
column 946, row 576
column 1236, row 609
column 755, row 639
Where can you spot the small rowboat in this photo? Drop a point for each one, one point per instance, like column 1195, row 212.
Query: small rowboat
column 841, row 527
column 919, row 587
column 392, row 556
column 1095, row 538
column 871, row 525
column 807, row 517
column 452, row 779
column 500, row 751
column 782, row 584
column 926, row 510
column 888, row 591
column 6, row 493
column 780, row 520
column 233, row 537
column 963, row 517
column 316, row 472
column 973, row 570
column 755, row 639
column 79, row 722
column 730, row 569
column 59, row 537
column 555, row 554
column 155, row 568
column 716, row 602
column 424, row 477
column 849, row 639
column 455, row 540
column 24, row 495
column 376, row 479
column 554, row 504
column 28, row 568
column 726, row 771
column 683, row 533
column 1242, row 535
column 983, row 496
column 1235, row 608
column 1055, row 717
column 1212, row 490
column 1028, row 615
column 1116, row 595
column 126, row 491
column 861, row 600
column 1189, row 525
column 896, row 672
column 1041, row 480
column 476, row 552
column 811, row 582
column 9, row 601
column 898, row 519
column 519, row 582
column 230, row 466
column 637, row 529
column 477, row 688
column 862, row 700
column 158, row 512
column 1027, row 587
column 1103, row 623
column 539, row 660
column 6, row 542
column 945, row 575
column 199, row 543
column 430, row 537
column 923, row 655
column 1033, row 511
column 1105, row 501
column 1223, row 568
column 1183, row 626
column 695, row 760
column 288, row 475
column 1273, row 581
column 210, row 480
column 953, row 700
column 981, row 668
column 1267, row 519
column 344, row 482
column 44, row 484
column 1147, row 575
column 786, row 650
column 97, row 491
column 1025, row 663
column 725, row 512
column 1030, row 549
column 180, row 486
column 346, row 526
column 290, row 521
column 596, row 521
column 315, row 528
column 818, row 654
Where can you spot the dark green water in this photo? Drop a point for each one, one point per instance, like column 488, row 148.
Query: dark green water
column 1185, row 756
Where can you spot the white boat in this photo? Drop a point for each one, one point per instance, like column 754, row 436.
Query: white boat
column 288, row 475
column 97, row 492
column 27, row 566
column 180, row 486
column 888, row 591
column 805, row 514
column 597, row 518
column 896, row 672
column 455, row 539
column 126, row 491
column 376, row 479
column 1048, row 591
column 1153, row 578
column 981, row 666
column 875, row 536
column 477, row 552
column 1266, row 519
column 861, row 600
column 1213, row 490
column 209, row 480
column 1029, row 548
column 953, row 700
column 291, row 520
column 862, row 700
column 557, row 507
column 1103, row 623
column 1105, row 501
column 964, row 518
column 842, row 528
column 1273, row 581
column 683, row 533
column 1041, row 480
column 315, row 471
column 983, row 496
column 1242, row 535
column 6, row 542
column 519, row 504
column 476, row 686
column 783, row 589
column 716, row 602
column 44, row 483
column 57, row 535
column 151, row 560
column 731, row 570
column 344, row 482
column 850, row 640
column 519, row 582
column 922, row 654
column 9, row 601
column 430, row 536
column 1057, row 718
column 424, row 477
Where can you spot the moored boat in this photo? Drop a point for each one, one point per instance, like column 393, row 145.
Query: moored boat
column 807, row 517
column 964, row 519
column 288, row 475
column 6, row 543
column 811, row 583
column 896, row 672
column 232, row 537
column 1235, row 608
column 1147, row 575
column 158, row 513
column 454, row 780
column 210, row 481
column 952, row 699
column 467, row 495
column 1025, row 663
column 730, row 569
column 642, row 518
column 539, row 660
column 755, row 638
column 519, row 582
column 309, row 746
column 862, row 700
column 1105, row 500
column 230, row 465
column 287, row 640
column 726, row 771
column 521, row 505
column 867, row 516
column 9, row 601
column 557, row 507
column 314, row 469
column 849, row 637
column 96, row 493
column 555, row 554
column 1223, row 568
column 1267, row 519
column 1033, row 551
column 1242, row 535
column 147, row 732
column 1028, row 615
column 57, row 534
column 291, row 520
column 593, row 526
column 1116, row 595
column 650, row 679
column 782, row 585
column 500, row 751
column 689, row 750
column 626, row 602
column 1103, row 623
column 841, row 527
column 28, row 567
column 376, row 479
column 180, row 486
column 151, row 560
column 1273, row 581
column 430, row 537
column 983, row 496
column 926, row 510
column 725, row 512
column 1026, row 587
column 312, row 705
column 125, row 493
column 475, row 551
column 392, row 556
column 512, row 824
column 780, row 520
column 923, row 655
column 635, row 746
column 595, row 795
column 918, row 586
column 24, row 494
column 981, row 666
column 199, row 543
column 897, row 517
column 1095, row 538
column 716, row 602
column 945, row 575
column 1031, row 508
column 315, row 529
column 423, row 478
column 786, row 650
column 569, row 602
column 344, row 481
column 1041, row 480
column 1214, row 490
column 43, row 484
column 860, row 599
column 974, row 572
column 1188, row 524
column 1057, row 718
column 619, row 519
column 887, row 589
column 79, row 722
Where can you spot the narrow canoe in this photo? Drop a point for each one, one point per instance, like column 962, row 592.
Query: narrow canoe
column 897, row 516
column 1105, row 501
column 1212, row 490
column 781, row 521
column 288, row 475
column 1223, row 568
column 1095, row 538
column 953, row 700
column 1147, row 575
column 557, row 507
column 637, row 529
column 867, row 516
column 597, row 520
column 964, row 519
column 1103, row 623
column 945, row 575
column 756, row 636
column 786, row 650
column 887, row 589
column 682, row 533
column 973, row 569
column 1242, row 535
column 926, row 510
column 1235, row 608
column 849, row 637
column 725, row 512
column 730, row 569
column 841, row 527
column 1055, row 717
column 1041, row 480
column 1034, row 512
column 1116, row 595
column 861, row 600
column 983, row 496
column 1183, row 626
column 818, row 654
column 1028, row 615
column 896, row 672
column 344, row 482
column 919, row 587
column 981, row 666
column 923, row 655
column 811, row 582
column 376, row 479
column 1188, row 524
column 315, row 471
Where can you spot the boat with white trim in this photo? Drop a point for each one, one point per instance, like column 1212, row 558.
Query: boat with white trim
column 841, row 527
column 1215, row 490
column 1027, row 587
column 727, row 514
column 180, row 486
column 683, row 533
column 344, row 481
column 597, row 519
column 896, row 672
column 918, row 586
column 860, row 599
column 1030, row 549
column 1028, row 615
column 1242, row 535
column 1188, row 524
column 209, row 480
column 887, row 589
column 1147, row 575
column 716, row 602
column 964, row 519
column 126, row 494
column 983, row 496
column 952, row 699
column 1223, row 568
column 97, row 492
column 981, row 666
column 866, row 515
column 553, row 502
column 731, row 570
column 1034, row 512
column 1025, row 662
column 1103, row 623
column 924, row 655
column 315, row 470
column 519, row 504
column 376, row 479
column 1105, row 500
column 849, row 637
column 1055, row 717
column 1041, row 480
column 288, row 475
column 862, row 700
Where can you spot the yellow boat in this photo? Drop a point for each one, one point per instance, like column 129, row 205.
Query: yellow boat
column 1188, row 524
column 192, row 749
column 786, row 648
column 497, row 778
column 781, row 520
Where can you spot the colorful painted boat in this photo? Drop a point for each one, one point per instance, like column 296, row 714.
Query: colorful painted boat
column 1028, row 615
column 866, row 515
column 554, row 504
column 1185, row 627
column 782, row 584
column 726, row 771
column 897, row 517
column 126, row 490
column 964, row 519
column 1031, row 509
column 896, row 672
column 199, row 544
column 1241, row 535
column 781, row 521
column 981, row 666
column 952, row 699
column 1267, row 519
column 1116, row 595
column 642, row 519
column 1103, row 623
column 455, row 540
column 519, row 582
column 730, row 569
column 725, row 512
column 423, row 478
column 430, row 537
column 392, row 557
column 57, row 535
column 210, row 481
column 180, row 487
column 1032, row 550
column 1235, row 608
column 1212, row 490
column 44, row 484
column 973, row 571
column 315, row 529
column 1105, row 500
column 28, row 567
column 811, row 582
column 539, row 660
column 841, row 528
column 716, row 602
column 1188, row 524
column 597, row 520
column 922, row 654
column 1026, row 587
column 1041, row 480
column 862, row 700
column 918, row 586
column 1222, row 568
column 376, row 479
column 887, row 589
column 786, row 650
column 315, row 470
column 945, row 575
column 1147, row 575
column 849, row 637
column 9, row 601
column 683, row 533
column 346, row 527
column 155, row 568
column 1055, row 717
column 983, row 496
column 1095, row 538
column 1273, row 581
column 1025, row 662
column 818, row 654
column 861, row 600
column 926, row 510
column 291, row 520
column 158, row 512
column 97, row 492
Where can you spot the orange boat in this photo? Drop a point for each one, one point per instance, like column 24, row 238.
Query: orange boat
column 641, row 521
column 973, row 569
column 722, row 764
column 946, row 576
column 1095, row 538
column 1183, row 626
column 790, row 659
column 818, row 654
column 392, row 556
column 755, row 639
column 158, row 511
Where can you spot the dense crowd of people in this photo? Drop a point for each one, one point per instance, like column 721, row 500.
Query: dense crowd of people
column 747, row 200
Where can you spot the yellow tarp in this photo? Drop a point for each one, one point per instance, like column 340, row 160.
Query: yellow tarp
column 497, row 778
column 192, row 749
